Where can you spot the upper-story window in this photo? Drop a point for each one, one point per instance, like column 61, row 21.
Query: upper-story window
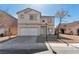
column 32, row 17
column 22, row 16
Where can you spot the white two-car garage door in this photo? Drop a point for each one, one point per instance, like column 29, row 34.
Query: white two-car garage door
column 29, row 31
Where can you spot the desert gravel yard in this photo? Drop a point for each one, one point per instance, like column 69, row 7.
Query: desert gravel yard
column 70, row 38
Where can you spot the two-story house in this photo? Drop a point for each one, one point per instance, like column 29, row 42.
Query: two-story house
column 31, row 23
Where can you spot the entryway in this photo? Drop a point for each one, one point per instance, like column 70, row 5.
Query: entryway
column 62, row 31
column 78, row 32
column 43, row 30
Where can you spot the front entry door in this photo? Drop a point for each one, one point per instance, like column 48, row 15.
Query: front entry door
column 62, row 31
column 78, row 32
column 43, row 30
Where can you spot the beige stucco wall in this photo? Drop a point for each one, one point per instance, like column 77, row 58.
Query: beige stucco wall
column 74, row 26
column 9, row 23
column 26, row 22
column 26, row 17
column 50, row 25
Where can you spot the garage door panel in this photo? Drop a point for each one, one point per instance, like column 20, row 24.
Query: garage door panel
column 29, row 31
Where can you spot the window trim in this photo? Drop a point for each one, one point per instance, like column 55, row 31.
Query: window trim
column 22, row 16
column 34, row 16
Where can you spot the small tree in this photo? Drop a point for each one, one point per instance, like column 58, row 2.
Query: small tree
column 61, row 14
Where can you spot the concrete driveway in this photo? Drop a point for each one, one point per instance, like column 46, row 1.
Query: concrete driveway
column 23, row 44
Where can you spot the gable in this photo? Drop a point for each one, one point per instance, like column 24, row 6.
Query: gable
column 28, row 10
column 32, row 12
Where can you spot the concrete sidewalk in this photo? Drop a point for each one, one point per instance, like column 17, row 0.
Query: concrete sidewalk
column 62, row 48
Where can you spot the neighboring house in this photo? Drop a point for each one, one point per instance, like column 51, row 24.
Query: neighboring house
column 31, row 23
column 8, row 24
column 2, row 30
column 70, row 28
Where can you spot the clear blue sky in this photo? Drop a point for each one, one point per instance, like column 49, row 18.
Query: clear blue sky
column 45, row 9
